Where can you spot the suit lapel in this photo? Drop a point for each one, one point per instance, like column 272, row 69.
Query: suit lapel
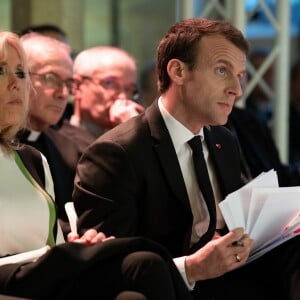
column 166, row 154
column 220, row 143
column 223, row 154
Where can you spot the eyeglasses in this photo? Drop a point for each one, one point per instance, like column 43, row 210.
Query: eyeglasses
column 54, row 81
column 112, row 84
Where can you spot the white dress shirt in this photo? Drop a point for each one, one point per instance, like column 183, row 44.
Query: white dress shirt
column 180, row 136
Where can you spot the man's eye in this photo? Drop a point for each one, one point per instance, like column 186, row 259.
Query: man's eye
column 20, row 74
column 222, row 70
column 109, row 82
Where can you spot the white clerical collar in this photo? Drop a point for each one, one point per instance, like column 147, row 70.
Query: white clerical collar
column 33, row 135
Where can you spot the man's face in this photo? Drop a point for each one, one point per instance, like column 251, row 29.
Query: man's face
column 116, row 79
column 211, row 89
column 49, row 96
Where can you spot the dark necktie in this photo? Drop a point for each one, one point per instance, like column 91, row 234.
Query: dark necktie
column 205, row 187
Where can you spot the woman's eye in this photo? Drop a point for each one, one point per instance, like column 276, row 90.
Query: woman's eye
column 2, row 70
column 20, row 74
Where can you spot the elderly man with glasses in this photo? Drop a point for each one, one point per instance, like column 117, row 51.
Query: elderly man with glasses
column 105, row 90
column 51, row 73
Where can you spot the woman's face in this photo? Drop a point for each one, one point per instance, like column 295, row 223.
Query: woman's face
column 13, row 89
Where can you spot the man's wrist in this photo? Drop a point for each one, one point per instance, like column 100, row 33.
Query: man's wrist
column 180, row 263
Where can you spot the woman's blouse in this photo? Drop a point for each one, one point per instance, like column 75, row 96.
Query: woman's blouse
column 27, row 212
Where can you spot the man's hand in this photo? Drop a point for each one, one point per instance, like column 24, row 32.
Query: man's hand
column 219, row 256
column 122, row 110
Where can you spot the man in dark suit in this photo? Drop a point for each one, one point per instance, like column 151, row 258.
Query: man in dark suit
column 139, row 179
column 294, row 113
column 51, row 72
column 258, row 150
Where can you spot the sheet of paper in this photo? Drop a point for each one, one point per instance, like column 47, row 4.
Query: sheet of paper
column 258, row 199
column 281, row 205
column 235, row 207
column 233, row 211
column 24, row 256
column 265, row 210
column 287, row 235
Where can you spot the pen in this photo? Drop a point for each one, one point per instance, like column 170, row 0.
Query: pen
column 72, row 216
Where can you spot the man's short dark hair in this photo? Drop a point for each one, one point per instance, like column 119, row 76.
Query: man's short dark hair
column 182, row 42
column 41, row 28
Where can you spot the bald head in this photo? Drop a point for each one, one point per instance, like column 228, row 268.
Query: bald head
column 98, row 59
column 39, row 48
column 50, row 66
column 106, row 87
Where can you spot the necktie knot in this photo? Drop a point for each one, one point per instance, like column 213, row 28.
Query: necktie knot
column 195, row 143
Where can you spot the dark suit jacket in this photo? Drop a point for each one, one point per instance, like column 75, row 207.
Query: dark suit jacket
column 62, row 155
column 129, row 181
column 294, row 136
column 79, row 135
column 258, row 147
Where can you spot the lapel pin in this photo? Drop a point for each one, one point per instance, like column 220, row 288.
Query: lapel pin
column 218, row 146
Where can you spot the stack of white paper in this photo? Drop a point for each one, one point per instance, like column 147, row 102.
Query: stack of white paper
column 267, row 212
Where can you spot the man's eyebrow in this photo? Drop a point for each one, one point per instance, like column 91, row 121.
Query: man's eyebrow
column 230, row 65
column 225, row 62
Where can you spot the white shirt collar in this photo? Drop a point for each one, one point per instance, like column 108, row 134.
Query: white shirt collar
column 178, row 132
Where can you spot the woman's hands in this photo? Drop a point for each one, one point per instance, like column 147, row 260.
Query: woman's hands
column 91, row 236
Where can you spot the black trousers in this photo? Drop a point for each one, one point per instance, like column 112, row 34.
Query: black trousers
column 125, row 268
column 273, row 276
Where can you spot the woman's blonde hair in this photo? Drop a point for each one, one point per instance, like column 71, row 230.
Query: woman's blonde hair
column 8, row 134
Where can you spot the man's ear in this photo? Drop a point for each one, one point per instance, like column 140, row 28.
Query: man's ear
column 176, row 70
